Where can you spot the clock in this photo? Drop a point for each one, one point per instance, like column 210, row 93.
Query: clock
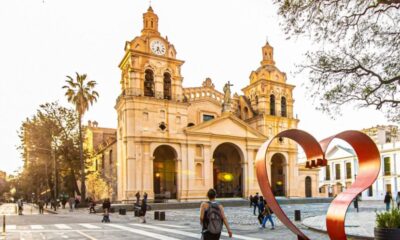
column 157, row 47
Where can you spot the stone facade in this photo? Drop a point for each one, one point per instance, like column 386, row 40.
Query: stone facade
column 175, row 142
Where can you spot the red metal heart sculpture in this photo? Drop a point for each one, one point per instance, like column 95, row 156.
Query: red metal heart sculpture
column 369, row 166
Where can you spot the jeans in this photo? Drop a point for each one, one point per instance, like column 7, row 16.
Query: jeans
column 388, row 206
column 266, row 218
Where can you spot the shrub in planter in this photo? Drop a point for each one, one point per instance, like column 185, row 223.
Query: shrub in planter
column 388, row 225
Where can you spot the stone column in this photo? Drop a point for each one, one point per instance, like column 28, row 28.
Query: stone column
column 179, row 174
column 147, row 175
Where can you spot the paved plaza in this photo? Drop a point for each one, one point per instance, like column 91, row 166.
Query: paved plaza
column 179, row 224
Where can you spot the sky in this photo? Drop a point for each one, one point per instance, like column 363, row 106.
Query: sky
column 44, row 41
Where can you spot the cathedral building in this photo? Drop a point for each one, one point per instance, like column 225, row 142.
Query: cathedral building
column 176, row 143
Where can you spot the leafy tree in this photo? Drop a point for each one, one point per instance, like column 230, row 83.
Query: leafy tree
column 357, row 51
column 81, row 94
column 49, row 137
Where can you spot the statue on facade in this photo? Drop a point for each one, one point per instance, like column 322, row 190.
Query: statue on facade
column 227, row 92
column 227, row 97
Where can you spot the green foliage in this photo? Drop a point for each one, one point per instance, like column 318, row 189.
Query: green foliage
column 356, row 51
column 47, row 138
column 389, row 219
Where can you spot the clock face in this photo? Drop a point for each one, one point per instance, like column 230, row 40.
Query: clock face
column 157, row 47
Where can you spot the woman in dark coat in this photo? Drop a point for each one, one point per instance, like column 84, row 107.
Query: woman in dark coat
column 143, row 209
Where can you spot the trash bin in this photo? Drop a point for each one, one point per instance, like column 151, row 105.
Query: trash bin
column 297, row 215
column 162, row 216
column 122, row 211
column 156, row 215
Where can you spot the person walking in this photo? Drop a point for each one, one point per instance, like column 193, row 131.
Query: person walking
column 54, row 204
column 41, row 206
column 256, row 198
column 106, row 209
column 92, row 205
column 71, row 203
column 267, row 213
column 137, row 195
column 20, row 206
column 356, row 203
column 212, row 218
column 143, row 208
column 398, row 199
column 387, row 200
column 261, row 207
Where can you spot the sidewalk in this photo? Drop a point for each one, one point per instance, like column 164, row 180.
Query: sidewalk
column 359, row 224
column 61, row 210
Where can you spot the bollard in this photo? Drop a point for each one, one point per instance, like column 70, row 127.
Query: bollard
column 4, row 224
column 156, row 215
column 122, row 211
column 162, row 216
column 297, row 215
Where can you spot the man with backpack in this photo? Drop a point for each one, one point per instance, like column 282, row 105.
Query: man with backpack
column 212, row 218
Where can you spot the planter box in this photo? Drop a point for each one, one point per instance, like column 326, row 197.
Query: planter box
column 387, row 233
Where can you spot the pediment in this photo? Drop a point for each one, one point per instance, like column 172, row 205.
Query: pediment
column 338, row 152
column 226, row 125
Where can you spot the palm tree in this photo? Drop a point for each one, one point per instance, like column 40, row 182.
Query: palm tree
column 81, row 94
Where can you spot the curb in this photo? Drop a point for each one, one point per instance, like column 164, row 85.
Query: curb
column 45, row 209
column 358, row 237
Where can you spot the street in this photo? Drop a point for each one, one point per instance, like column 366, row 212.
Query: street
column 179, row 224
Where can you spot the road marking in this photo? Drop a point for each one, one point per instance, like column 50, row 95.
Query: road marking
column 86, row 235
column 89, row 226
column 43, row 236
column 144, row 233
column 62, row 226
column 174, row 226
column 11, row 227
column 37, row 227
column 235, row 236
column 187, row 234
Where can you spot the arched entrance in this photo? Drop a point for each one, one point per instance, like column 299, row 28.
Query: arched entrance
column 228, row 179
column 278, row 182
column 308, row 187
column 164, row 173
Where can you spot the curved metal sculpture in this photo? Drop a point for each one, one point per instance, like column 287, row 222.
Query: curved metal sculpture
column 368, row 170
column 369, row 166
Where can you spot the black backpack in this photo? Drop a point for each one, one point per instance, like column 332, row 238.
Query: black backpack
column 214, row 218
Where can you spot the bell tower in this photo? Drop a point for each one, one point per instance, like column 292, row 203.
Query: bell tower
column 150, row 105
column 270, row 95
column 150, row 23
column 150, row 67
column 268, row 55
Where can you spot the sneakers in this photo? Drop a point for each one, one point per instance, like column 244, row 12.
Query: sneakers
column 272, row 228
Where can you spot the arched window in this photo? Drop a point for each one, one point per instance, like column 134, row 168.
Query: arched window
column 167, row 86
column 272, row 104
column 199, row 170
column 283, row 107
column 149, row 83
